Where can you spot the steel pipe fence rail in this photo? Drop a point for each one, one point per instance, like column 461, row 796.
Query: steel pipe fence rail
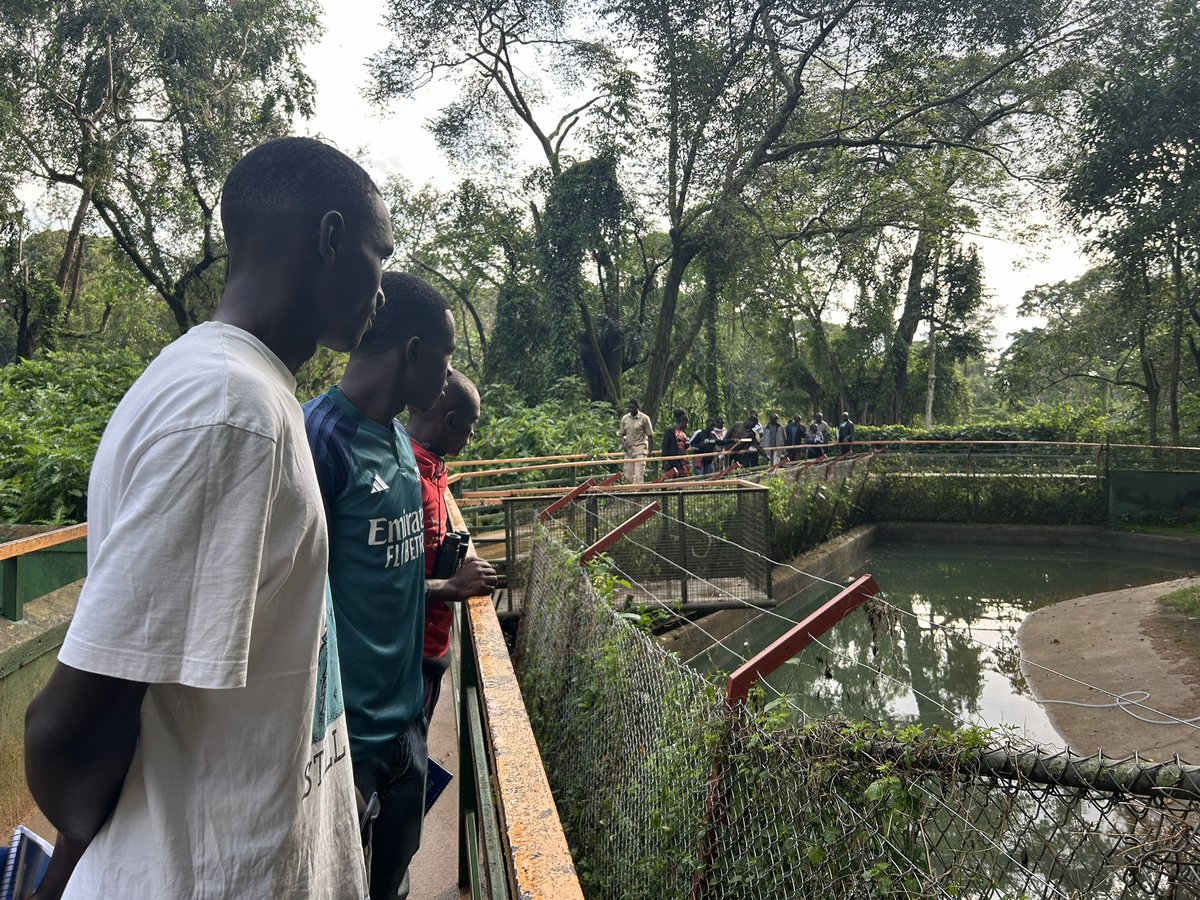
column 665, row 793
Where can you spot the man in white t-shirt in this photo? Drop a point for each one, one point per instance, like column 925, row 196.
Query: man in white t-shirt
column 191, row 741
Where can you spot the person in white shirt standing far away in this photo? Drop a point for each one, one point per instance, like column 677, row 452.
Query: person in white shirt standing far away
column 191, row 741
column 636, row 432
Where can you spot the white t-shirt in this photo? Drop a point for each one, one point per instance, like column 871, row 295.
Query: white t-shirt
column 207, row 555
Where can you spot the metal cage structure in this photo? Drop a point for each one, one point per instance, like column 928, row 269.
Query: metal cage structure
column 707, row 549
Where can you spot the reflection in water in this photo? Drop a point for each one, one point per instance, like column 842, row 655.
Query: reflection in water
column 955, row 658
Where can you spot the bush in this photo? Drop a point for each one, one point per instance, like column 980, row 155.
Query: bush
column 564, row 422
column 52, row 414
column 808, row 512
column 993, row 498
column 1060, row 422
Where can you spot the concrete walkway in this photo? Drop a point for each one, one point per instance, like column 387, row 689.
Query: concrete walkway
column 1118, row 641
column 435, row 867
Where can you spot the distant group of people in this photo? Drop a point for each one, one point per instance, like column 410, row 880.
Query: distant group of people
column 241, row 702
column 714, row 447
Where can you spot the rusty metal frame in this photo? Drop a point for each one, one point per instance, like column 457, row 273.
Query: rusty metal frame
column 569, row 497
column 732, row 467
column 21, row 546
column 619, row 532
column 800, row 636
column 11, row 561
column 502, row 770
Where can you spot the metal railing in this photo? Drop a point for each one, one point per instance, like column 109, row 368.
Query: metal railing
column 33, row 566
column 511, row 843
column 708, row 552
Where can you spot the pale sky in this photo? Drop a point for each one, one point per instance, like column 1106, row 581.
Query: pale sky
column 396, row 141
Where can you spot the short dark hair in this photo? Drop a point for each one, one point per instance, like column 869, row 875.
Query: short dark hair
column 292, row 181
column 459, row 390
column 412, row 307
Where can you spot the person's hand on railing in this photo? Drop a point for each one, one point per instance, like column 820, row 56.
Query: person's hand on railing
column 475, row 578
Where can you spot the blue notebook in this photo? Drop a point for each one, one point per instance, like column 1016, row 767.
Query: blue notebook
column 25, row 862
column 436, row 780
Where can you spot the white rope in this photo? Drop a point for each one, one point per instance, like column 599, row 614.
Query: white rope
column 1121, row 701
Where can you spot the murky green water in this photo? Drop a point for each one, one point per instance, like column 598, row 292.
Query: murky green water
column 954, row 659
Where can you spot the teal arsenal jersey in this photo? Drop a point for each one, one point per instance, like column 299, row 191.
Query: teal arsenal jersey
column 372, row 493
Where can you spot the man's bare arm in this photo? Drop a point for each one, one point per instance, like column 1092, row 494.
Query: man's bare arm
column 80, row 734
column 475, row 578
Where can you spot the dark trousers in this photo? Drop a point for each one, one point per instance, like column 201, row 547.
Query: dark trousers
column 433, row 668
column 397, row 775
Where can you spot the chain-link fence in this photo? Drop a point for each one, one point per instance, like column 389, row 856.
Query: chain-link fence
column 666, row 794
column 710, row 548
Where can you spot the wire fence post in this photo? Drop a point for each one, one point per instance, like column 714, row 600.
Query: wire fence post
column 683, row 545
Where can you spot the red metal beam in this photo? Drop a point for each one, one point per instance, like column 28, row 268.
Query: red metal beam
column 730, row 468
column 799, row 637
column 569, row 497
column 619, row 532
column 611, row 479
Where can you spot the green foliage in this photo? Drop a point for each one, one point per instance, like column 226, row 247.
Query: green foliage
column 137, row 109
column 900, row 493
column 564, row 422
column 809, row 511
column 523, row 330
column 1185, row 600
column 52, row 415
column 1050, row 422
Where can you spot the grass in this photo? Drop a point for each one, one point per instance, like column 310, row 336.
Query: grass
column 1189, row 529
column 1185, row 600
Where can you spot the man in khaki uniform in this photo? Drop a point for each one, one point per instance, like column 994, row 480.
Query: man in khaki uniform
column 636, row 431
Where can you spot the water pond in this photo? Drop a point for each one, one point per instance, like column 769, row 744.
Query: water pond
column 951, row 655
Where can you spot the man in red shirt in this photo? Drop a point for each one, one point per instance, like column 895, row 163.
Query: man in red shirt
column 441, row 431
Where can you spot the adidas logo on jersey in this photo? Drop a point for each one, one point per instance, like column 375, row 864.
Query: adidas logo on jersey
column 378, row 485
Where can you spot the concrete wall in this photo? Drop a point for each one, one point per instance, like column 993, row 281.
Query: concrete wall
column 28, row 651
column 1153, row 496
column 1084, row 536
column 821, row 561
column 843, row 551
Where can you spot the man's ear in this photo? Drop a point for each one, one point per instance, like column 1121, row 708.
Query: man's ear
column 333, row 234
column 412, row 349
column 449, row 420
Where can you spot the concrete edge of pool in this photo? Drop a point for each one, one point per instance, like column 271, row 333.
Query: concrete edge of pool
column 1084, row 730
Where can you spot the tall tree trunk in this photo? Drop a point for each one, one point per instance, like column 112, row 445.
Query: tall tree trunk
column 1153, row 388
column 74, row 245
column 906, row 328
column 1176, row 344
column 76, row 278
column 610, row 287
column 932, row 381
column 1173, row 384
column 712, row 368
column 25, row 346
column 662, row 364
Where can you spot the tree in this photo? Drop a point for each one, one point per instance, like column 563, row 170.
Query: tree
column 1136, row 182
column 494, row 52
column 953, row 313
column 1100, row 329
column 734, row 100
column 142, row 108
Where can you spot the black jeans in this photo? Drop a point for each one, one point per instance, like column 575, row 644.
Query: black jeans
column 433, row 668
column 397, row 774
